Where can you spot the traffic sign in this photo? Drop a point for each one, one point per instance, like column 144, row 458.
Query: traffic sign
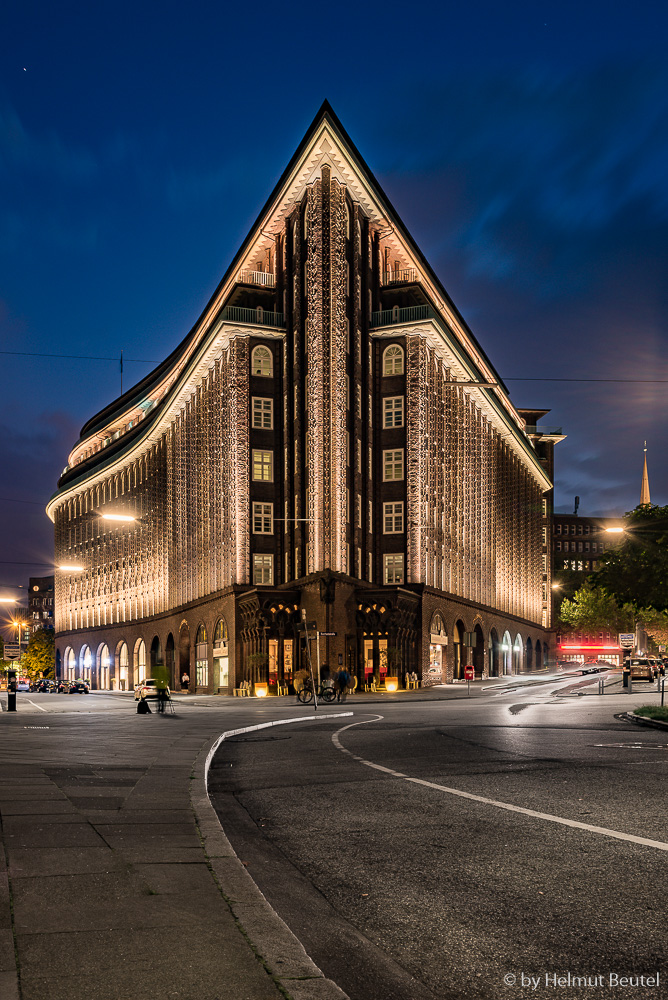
column 468, row 673
column 627, row 640
column 309, row 626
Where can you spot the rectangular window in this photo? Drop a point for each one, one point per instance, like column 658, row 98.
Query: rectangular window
column 393, row 518
column 393, row 411
column 263, row 518
column 359, row 563
column 347, row 447
column 358, row 455
column 263, row 570
column 370, row 524
column 263, row 413
column 370, row 568
column 358, row 515
column 370, row 462
column 394, row 567
column 263, row 466
column 393, row 465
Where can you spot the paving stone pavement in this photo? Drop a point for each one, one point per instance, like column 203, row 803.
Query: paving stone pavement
column 116, row 879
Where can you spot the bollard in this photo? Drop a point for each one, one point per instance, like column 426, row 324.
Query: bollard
column 11, row 690
column 663, row 686
column 630, row 684
column 11, row 701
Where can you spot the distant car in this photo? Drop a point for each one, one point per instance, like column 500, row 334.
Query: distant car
column 23, row 684
column 148, row 689
column 659, row 669
column 62, row 687
column 46, row 685
column 79, row 687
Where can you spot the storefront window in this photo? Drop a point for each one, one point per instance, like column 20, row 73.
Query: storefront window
column 221, row 662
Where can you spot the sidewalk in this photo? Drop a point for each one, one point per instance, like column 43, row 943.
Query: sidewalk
column 117, row 882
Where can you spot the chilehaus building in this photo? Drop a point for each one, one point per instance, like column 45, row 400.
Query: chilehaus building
column 329, row 444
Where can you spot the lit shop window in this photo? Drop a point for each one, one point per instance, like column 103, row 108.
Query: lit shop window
column 393, row 518
column 393, row 360
column 394, row 567
column 393, row 465
column 263, row 518
column 262, row 362
column 263, row 466
column 393, row 411
column 263, row 413
column 263, row 570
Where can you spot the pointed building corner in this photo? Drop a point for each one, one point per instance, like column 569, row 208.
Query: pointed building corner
column 644, row 488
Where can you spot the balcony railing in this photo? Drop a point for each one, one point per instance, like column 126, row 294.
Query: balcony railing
column 532, row 429
column 407, row 315
column 254, row 317
column 265, row 278
column 407, row 274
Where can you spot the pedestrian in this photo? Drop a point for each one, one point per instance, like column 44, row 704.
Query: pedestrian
column 185, row 681
column 342, row 679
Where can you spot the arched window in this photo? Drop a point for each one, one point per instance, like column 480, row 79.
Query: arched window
column 139, row 664
column 202, row 658
column 393, row 360
column 437, row 626
column 220, row 635
column 262, row 362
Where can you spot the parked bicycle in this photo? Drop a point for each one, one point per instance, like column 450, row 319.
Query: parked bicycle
column 326, row 692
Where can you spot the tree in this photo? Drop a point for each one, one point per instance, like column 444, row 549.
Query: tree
column 636, row 571
column 39, row 658
column 592, row 609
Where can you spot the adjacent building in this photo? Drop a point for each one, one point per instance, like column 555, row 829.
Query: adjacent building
column 328, row 444
column 40, row 602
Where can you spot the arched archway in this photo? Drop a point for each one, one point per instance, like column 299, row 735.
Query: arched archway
column 507, row 653
column 458, row 650
column 184, row 655
column 221, row 655
column 545, row 655
column 122, row 681
column 478, row 651
column 156, row 654
column 517, row 654
column 86, row 664
column 69, row 664
column 58, row 665
column 529, row 653
column 494, row 651
column 139, row 663
column 437, row 641
column 169, row 660
column 202, row 658
column 539, row 655
column 103, row 662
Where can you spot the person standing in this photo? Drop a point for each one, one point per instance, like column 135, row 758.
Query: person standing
column 342, row 680
column 185, row 681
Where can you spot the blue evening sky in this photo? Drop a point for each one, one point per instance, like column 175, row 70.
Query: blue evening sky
column 525, row 146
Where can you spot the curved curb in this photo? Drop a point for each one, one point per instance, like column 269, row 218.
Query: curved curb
column 641, row 720
column 272, row 940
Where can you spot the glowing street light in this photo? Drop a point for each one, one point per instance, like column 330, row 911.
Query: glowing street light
column 71, row 569
column 614, row 531
column 118, row 517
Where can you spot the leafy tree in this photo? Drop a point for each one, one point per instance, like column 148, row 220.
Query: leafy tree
column 636, row 571
column 592, row 609
column 39, row 658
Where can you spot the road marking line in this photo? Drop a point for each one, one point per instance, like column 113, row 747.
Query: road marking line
column 548, row 817
column 37, row 706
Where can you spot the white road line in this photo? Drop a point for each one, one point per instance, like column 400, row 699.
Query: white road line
column 601, row 830
column 37, row 706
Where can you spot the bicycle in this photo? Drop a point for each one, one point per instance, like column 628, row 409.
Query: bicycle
column 326, row 692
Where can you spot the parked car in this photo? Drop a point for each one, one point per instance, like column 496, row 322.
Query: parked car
column 79, row 687
column 642, row 668
column 23, row 684
column 45, row 685
column 148, row 689
column 63, row 687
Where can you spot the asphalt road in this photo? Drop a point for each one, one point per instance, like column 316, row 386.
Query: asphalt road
column 403, row 891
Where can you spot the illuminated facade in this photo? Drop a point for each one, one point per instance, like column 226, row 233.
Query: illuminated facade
column 329, row 440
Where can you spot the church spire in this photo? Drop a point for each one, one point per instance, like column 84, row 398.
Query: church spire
column 644, row 489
